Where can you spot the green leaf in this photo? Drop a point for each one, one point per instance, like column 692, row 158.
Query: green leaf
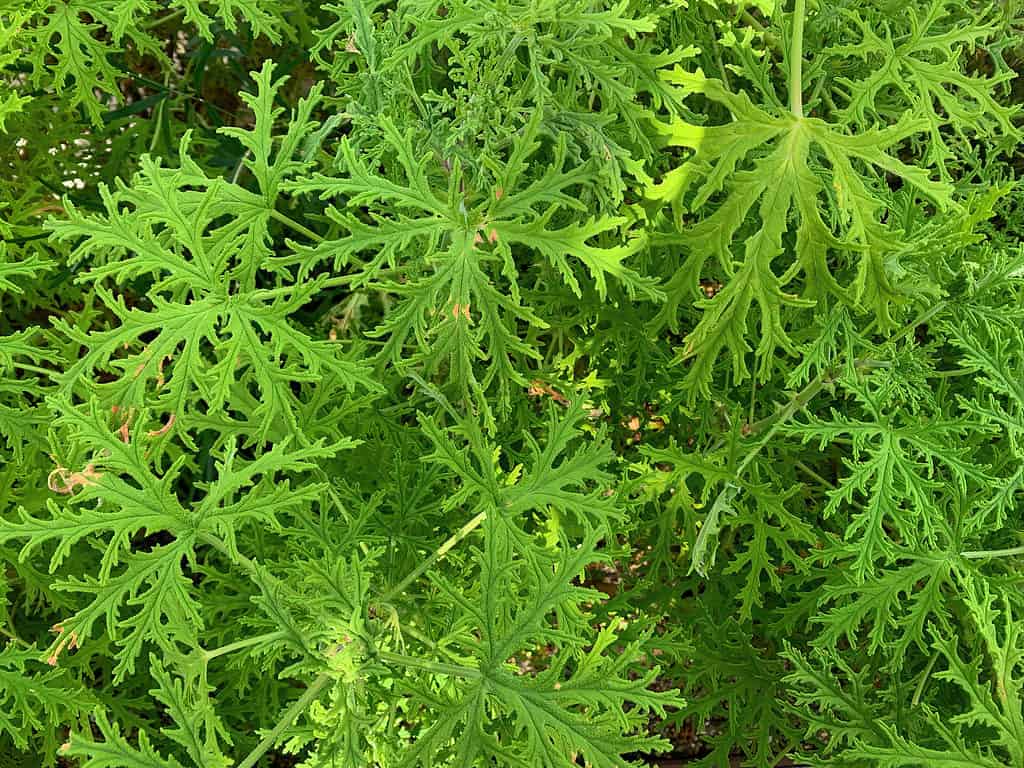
column 581, row 705
column 197, row 727
column 38, row 703
column 450, row 253
column 783, row 165
column 115, row 751
column 919, row 64
column 147, row 596
column 897, row 469
column 209, row 328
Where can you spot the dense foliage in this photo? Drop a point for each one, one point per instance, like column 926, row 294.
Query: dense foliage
column 511, row 382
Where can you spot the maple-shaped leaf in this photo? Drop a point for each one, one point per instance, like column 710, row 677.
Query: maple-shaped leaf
column 15, row 273
column 449, row 254
column 985, row 666
column 553, row 480
column 833, row 699
column 894, row 609
column 34, row 705
column 555, row 62
column 147, row 596
column 20, row 380
column 264, row 17
column 114, row 751
column 65, row 47
column 670, row 476
column 197, row 728
column 274, row 160
column 756, row 181
column 76, row 46
column 917, row 63
column 583, row 704
column 734, row 681
column 603, row 51
column 993, row 683
column 755, row 516
column 207, row 331
column 990, row 342
column 897, row 467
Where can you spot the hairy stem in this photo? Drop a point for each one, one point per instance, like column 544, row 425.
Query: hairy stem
column 293, row 224
column 293, row 712
column 440, row 552
column 268, row 637
column 796, row 60
column 919, row 691
column 982, row 554
column 32, row 368
column 336, row 281
column 455, row 670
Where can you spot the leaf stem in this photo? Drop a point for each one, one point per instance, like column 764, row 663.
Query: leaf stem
column 337, row 281
column 916, row 700
column 32, row 368
column 332, row 282
column 440, row 552
column 163, row 19
column 982, row 554
column 796, row 60
column 267, row 637
column 293, row 712
column 814, row 475
column 435, row 647
column 455, row 670
column 293, row 224
column 952, row 373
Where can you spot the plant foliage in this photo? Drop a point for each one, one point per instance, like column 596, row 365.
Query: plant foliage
column 477, row 383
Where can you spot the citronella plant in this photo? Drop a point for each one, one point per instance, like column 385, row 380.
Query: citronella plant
column 471, row 383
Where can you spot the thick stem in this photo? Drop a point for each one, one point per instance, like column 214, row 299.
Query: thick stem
column 292, row 224
column 32, row 368
column 163, row 19
column 269, row 637
column 455, row 670
column 914, row 702
column 293, row 712
column 796, row 60
column 441, row 551
column 986, row 553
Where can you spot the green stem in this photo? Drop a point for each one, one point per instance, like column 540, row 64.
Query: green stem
column 297, row 708
column 766, row 34
column 815, row 476
column 952, row 373
column 749, row 19
column 796, row 60
column 221, row 547
column 440, row 552
column 163, row 19
column 239, row 167
column 10, row 633
column 32, row 368
column 284, row 290
column 415, row 633
column 455, row 670
column 292, row 224
column 982, row 554
column 268, row 637
column 914, row 702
